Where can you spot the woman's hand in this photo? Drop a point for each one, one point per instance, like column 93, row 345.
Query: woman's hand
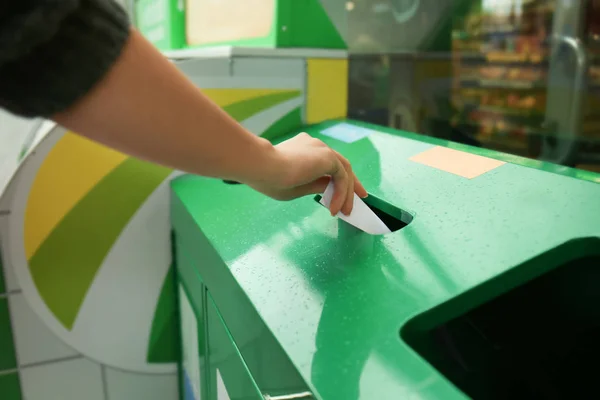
column 304, row 165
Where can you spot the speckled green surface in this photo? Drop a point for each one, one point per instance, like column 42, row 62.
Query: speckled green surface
column 337, row 300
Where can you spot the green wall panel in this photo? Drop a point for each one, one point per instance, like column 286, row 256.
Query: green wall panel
column 10, row 388
column 7, row 350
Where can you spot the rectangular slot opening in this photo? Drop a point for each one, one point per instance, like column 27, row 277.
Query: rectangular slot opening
column 393, row 217
column 540, row 340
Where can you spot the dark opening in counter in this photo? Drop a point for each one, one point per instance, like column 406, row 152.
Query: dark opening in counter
column 540, row 340
column 393, row 217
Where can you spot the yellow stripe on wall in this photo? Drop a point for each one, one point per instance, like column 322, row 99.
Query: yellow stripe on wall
column 73, row 167
column 327, row 90
column 225, row 97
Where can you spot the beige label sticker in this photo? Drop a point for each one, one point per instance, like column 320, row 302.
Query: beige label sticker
column 456, row 162
column 214, row 21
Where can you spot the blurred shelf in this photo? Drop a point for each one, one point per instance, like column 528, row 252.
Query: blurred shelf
column 403, row 55
column 503, row 58
column 501, row 142
column 590, row 167
column 511, row 112
column 502, row 84
column 510, row 132
column 491, row 46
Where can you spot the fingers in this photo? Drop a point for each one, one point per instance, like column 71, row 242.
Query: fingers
column 345, row 185
column 340, row 179
column 348, row 203
column 315, row 159
column 359, row 188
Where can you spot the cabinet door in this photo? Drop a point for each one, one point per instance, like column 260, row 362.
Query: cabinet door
column 191, row 348
column 230, row 378
column 192, row 320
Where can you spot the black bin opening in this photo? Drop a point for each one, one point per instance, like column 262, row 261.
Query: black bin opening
column 538, row 341
column 393, row 217
column 391, row 221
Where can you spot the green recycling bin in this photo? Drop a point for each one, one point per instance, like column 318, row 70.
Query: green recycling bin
column 487, row 287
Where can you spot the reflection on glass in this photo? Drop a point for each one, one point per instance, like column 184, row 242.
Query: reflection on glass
column 500, row 75
column 518, row 76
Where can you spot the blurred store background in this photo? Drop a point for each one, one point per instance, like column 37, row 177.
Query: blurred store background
column 519, row 76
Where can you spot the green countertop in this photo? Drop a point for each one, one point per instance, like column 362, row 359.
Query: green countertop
column 339, row 301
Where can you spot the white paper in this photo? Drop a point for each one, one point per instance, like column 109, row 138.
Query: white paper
column 361, row 216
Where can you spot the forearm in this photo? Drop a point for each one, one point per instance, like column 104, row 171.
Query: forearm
column 144, row 106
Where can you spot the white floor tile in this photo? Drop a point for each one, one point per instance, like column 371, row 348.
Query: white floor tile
column 77, row 379
column 130, row 386
column 35, row 342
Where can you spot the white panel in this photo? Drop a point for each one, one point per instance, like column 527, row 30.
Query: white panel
column 77, row 379
column 210, row 67
column 15, row 196
column 190, row 345
column 268, row 67
column 248, row 73
column 122, row 385
column 14, row 134
column 34, row 341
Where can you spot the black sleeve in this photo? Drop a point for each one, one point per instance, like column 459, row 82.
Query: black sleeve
column 52, row 52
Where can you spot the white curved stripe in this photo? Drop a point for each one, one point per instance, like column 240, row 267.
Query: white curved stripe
column 114, row 323
column 260, row 122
